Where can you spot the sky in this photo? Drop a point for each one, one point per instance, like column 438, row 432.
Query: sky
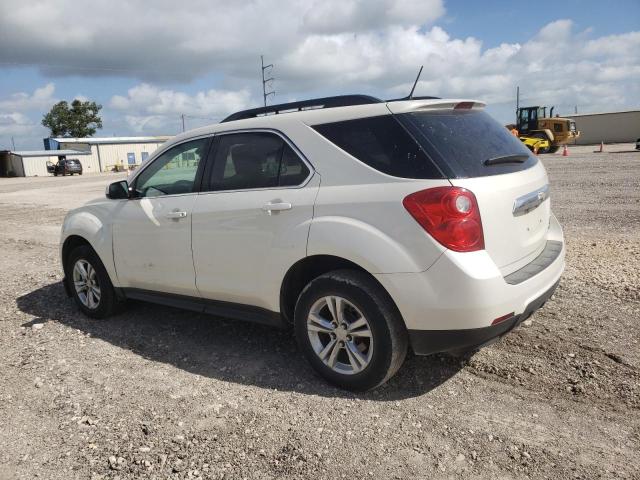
column 148, row 63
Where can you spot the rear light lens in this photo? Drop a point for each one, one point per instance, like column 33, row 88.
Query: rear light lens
column 450, row 215
column 503, row 318
column 464, row 105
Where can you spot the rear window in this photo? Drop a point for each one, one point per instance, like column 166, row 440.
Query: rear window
column 461, row 141
column 383, row 144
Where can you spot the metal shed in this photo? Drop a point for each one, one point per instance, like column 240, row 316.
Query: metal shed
column 33, row 163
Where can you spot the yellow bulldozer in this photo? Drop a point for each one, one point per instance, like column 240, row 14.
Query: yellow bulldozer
column 534, row 125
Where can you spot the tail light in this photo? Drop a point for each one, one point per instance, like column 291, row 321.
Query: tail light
column 450, row 215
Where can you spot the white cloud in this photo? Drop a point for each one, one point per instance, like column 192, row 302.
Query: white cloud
column 20, row 129
column 42, row 98
column 149, row 108
column 319, row 47
column 20, row 115
column 360, row 15
column 182, row 41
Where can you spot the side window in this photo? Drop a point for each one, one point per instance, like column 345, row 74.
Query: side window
column 383, row 144
column 173, row 172
column 255, row 160
column 293, row 171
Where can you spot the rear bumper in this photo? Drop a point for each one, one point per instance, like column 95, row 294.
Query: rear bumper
column 467, row 292
column 426, row 342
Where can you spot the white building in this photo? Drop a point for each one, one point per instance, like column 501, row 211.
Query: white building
column 33, row 163
column 104, row 153
column 610, row 127
column 97, row 154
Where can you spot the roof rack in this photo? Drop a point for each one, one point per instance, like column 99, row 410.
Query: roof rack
column 316, row 103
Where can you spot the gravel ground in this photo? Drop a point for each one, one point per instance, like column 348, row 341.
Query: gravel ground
column 161, row 393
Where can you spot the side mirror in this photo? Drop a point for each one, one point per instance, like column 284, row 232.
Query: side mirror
column 118, row 190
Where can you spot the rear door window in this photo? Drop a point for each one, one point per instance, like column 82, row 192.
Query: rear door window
column 461, row 142
column 251, row 160
column 383, row 144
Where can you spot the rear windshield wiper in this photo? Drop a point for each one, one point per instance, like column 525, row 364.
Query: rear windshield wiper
column 517, row 158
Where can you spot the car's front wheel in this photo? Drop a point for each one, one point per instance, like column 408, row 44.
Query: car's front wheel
column 350, row 330
column 90, row 285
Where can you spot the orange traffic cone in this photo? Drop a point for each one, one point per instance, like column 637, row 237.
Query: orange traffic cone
column 565, row 151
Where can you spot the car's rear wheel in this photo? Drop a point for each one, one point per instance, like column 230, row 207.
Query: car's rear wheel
column 90, row 285
column 350, row 330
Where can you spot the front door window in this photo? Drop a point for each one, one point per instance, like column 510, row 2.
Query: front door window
column 174, row 172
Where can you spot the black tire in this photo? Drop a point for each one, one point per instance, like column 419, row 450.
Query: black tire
column 543, row 136
column 108, row 303
column 55, row 174
column 388, row 333
column 554, row 149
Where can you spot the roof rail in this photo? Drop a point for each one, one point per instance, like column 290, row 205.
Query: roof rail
column 316, row 103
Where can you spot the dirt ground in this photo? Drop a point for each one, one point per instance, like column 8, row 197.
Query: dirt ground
column 161, row 393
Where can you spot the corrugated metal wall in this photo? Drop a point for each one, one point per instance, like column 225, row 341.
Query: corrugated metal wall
column 615, row 127
column 118, row 154
column 102, row 158
column 37, row 166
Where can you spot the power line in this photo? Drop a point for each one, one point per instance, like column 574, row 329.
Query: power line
column 195, row 117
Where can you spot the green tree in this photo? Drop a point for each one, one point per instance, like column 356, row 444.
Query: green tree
column 79, row 120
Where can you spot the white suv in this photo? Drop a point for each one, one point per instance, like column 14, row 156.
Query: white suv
column 369, row 226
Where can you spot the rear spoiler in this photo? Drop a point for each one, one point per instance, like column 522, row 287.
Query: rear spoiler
column 433, row 104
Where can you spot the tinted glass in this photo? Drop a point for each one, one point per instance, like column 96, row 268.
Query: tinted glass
column 173, row 172
column 293, row 171
column 382, row 143
column 460, row 141
column 255, row 160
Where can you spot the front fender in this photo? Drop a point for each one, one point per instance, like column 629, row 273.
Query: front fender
column 88, row 224
column 368, row 246
column 549, row 134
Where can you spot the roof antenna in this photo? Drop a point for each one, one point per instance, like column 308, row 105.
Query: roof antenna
column 415, row 83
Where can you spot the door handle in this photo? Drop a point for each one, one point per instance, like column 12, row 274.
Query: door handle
column 276, row 207
column 176, row 214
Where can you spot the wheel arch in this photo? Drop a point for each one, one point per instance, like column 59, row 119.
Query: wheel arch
column 305, row 270
column 71, row 243
column 89, row 225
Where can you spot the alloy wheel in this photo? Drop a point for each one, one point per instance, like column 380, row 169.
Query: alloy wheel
column 340, row 335
column 85, row 281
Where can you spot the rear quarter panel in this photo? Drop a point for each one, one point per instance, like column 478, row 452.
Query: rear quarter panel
column 359, row 214
column 368, row 225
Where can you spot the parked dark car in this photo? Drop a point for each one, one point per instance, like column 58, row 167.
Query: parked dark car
column 65, row 167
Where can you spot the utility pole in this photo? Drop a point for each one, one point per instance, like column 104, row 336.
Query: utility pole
column 517, row 103
column 576, row 109
column 266, row 81
column 182, row 116
column 13, row 144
